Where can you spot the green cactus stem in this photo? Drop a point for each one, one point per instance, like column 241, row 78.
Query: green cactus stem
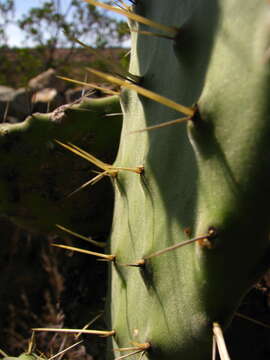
column 33, row 177
column 190, row 233
column 24, row 356
column 209, row 173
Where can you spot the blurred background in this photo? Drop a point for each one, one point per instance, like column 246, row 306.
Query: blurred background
column 36, row 35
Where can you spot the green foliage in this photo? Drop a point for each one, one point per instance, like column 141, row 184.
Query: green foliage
column 19, row 66
column 6, row 15
column 55, row 24
column 50, row 26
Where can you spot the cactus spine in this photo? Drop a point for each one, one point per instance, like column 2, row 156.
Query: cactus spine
column 209, row 175
column 33, row 188
column 190, row 228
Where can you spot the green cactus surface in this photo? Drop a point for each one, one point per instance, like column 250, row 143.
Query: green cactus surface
column 33, row 177
column 190, row 230
column 24, row 356
column 207, row 178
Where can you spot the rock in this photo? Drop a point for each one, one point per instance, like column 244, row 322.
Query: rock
column 14, row 103
column 46, row 100
column 6, row 96
column 5, row 93
column 46, row 95
column 47, row 79
column 21, row 106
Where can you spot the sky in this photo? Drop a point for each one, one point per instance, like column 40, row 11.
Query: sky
column 16, row 37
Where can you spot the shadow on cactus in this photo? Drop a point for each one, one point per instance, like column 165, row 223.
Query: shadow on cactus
column 35, row 192
column 190, row 231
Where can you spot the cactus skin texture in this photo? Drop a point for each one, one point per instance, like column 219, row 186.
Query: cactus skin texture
column 211, row 172
column 208, row 177
column 24, row 356
column 33, row 176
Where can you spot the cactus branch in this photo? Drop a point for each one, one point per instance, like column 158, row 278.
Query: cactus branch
column 33, row 187
column 215, row 170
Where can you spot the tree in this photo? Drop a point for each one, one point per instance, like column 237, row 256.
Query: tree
column 6, row 12
column 55, row 24
column 52, row 25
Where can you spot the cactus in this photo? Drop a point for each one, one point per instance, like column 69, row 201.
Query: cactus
column 23, row 356
column 190, row 228
column 33, row 187
column 205, row 179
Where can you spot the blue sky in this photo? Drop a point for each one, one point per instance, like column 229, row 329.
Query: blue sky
column 16, row 37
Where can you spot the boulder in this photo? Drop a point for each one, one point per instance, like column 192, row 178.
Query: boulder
column 14, row 103
column 5, row 92
column 46, row 100
column 6, row 96
column 47, row 79
column 21, row 104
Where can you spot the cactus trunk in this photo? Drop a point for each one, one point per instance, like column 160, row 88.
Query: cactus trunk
column 190, row 232
column 206, row 177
